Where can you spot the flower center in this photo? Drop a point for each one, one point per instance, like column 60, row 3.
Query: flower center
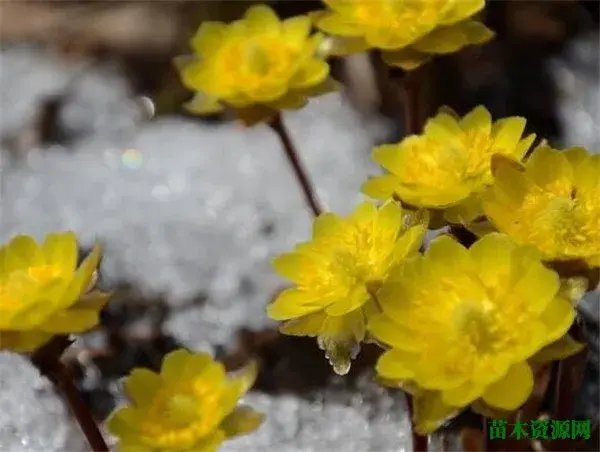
column 251, row 63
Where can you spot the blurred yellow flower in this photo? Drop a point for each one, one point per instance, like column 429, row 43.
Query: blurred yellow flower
column 461, row 325
column 191, row 405
column 257, row 65
column 42, row 293
column 449, row 165
column 408, row 32
column 338, row 271
column 552, row 203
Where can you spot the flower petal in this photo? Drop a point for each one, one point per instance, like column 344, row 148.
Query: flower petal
column 396, row 365
column 558, row 318
column 61, row 250
column 21, row 253
column 449, row 39
column 202, row 104
column 507, row 133
column 513, row 390
column 141, row 386
column 550, row 169
column 384, row 329
column 294, row 303
column 312, row 73
column 308, row 325
column 430, row 412
column 209, row 37
column 71, row 321
column 83, row 277
column 242, row 421
column 340, row 339
column 382, row 187
column 260, row 19
column 561, row 349
column 478, row 119
column 407, row 58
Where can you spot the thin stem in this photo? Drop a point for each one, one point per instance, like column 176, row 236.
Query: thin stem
column 301, row 175
column 412, row 119
column 420, row 442
column 47, row 361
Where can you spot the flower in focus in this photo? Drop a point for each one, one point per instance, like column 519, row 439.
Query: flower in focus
column 461, row 325
column 408, row 32
column 449, row 165
column 338, row 271
column 552, row 203
column 191, row 405
column 43, row 293
column 257, row 65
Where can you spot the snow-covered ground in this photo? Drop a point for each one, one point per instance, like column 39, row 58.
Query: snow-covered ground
column 184, row 208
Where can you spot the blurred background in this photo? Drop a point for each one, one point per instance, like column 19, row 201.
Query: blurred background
column 190, row 211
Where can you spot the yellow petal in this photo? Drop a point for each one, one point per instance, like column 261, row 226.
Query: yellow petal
column 327, row 224
column 83, row 277
column 337, row 25
column 242, row 421
column 23, row 341
column 209, row 37
column 357, row 297
column 561, row 349
column 202, row 104
column 537, row 286
column 384, row 329
column 295, row 30
column 558, row 318
column 291, row 101
column 329, row 85
column 141, row 386
column 409, row 243
column 478, row 119
column 71, row 321
column 446, row 251
column 123, row 422
column 309, row 325
column 390, row 157
column 448, row 39
column 462, row 395
column 364, row 212
column 293, row 303
column 295, row 267
column 21, row 253
column 395, row 365
column 491, row 257
column 513, row 390
column 445, row 129
column 576, row 155
column 462, row 9
column 550, row 169
column 260, row 19
column 382, row 187
column 465, row 211
column 255, row 114
column 61, row 250
column 587, row 178
column 312, row 73
column 407, row 58
column 507, row 133
column 181, row 363
column 430, row 412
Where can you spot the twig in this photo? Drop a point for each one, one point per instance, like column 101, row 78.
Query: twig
column 301, row 175
column 47, row 361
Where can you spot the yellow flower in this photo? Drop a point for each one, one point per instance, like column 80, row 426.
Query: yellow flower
column 257, row 65
column 191, row 405
column 408, row 32
column 42, row 293
column 449, row 165
column 338, row 271
column 553, row 203
column 461, row 324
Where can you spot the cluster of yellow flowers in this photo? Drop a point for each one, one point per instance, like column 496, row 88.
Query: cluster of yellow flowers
column 259, row 65
column 459, row 325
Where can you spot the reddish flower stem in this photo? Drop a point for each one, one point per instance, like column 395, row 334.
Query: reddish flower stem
column 420, row 442
column 47, row 360
column 301, row 174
